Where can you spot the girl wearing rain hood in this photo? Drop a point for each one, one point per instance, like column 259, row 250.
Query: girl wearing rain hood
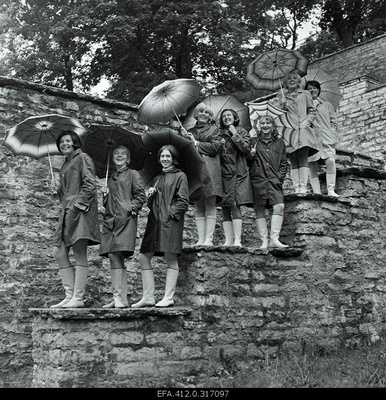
column 168, row 201
column 78, row 225
column 206, row 136
column 268, row 170
column 123, row 199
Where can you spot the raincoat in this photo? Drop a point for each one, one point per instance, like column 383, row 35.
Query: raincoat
column 165, row 223
column 301, row 113
column 236, row 185
column 325, row 124
column 268, row 170
column 209, row 147
column 78, row 197
column 126, row 195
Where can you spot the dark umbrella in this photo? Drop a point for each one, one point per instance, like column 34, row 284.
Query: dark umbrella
column 191, row 161
column 102, row 140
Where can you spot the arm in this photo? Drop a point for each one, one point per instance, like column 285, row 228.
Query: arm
column 139, row 195
column 181, row 197
column 211, row 146
column 88, row 191
column 241, row 139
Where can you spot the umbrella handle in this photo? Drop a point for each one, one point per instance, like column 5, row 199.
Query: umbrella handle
column 52, row 172
column 108, row 165
column 178, row 119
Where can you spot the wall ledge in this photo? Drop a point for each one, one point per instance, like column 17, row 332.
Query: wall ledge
column 110, row 313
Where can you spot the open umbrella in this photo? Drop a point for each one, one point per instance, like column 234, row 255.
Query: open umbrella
column 36, row 136
column 191, row 161
column 329, row 87
column 101, row 141
column 268, row 69
column 168, row 100
column 218, row 103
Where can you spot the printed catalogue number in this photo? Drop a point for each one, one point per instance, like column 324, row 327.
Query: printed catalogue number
column 193, row 393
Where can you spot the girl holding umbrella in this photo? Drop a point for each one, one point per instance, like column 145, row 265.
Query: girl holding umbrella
column 123, row 199
column 302, row 141
column 168, row 201
column 235, row 175
column 78, row 225
column 206, row 136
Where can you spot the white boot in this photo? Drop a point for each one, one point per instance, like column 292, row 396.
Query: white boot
column 123, row 292
column 210, row 225
column 262, row 230
column 295, row 180
column 237, row 227
column 200, row 223
column 170, row 287
column 303, row 179
column 228, row 231
column 68, row 280
column 148, row 290
column 276, row 223
column 314, row 178
column 116, row 280
column 77, row 300
column 330, row 180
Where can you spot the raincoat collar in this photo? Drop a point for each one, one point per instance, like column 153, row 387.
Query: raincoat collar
column 75, row 153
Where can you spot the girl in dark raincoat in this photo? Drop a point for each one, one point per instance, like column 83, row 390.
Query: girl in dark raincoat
column 236, row 184
column 123, row 199
column 268, row 169
column 206, row 136
column 78, row 225
column 168, row 201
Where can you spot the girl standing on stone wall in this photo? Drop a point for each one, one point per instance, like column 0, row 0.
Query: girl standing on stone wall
column 268, row 169
column 123, row 199
column 326, row 126
column 78, row 225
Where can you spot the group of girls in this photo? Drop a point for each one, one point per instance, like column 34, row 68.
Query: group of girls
column 242, row 170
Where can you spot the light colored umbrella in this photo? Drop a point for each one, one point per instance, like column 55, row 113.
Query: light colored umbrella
column 36, row 136
column 218, row 103
column 268, row 70
column 329, row 87
column 168, row 100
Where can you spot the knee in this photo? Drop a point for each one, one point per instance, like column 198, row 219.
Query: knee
column 278, row 209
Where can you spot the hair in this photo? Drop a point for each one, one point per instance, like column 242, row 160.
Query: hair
column 315, row 84
column 202, row 106
column 275, row 133
column 235, row 116
column 75, row 139
column 173, row 151
column 294, row 71
column 126, row 150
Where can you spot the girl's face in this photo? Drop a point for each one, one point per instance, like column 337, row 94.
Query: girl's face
column 203, row 116
column 120, row 158
column 292, row 81
column 227, row 118
column 166, row 159
column 66, row 145
column 266, row 126
column 314, row 91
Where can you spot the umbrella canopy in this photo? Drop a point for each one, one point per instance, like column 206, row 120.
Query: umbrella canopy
column 218, row 103
column 36, row 136
column 258, row 110
column 102, row 140
column 191, row 161
column 168, row 100
column 329, row 87
column 268, row 69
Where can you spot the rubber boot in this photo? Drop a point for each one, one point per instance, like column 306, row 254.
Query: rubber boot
column 200, row 223
column 276, row 223
column 262, row 230
column 148, row 290
column 314, row 178
column 77, row 300
column 210, row 225
column 303, row 180
column 237, row 227
column 68, row 279
column 170, row 287
column 123, row 292
column 116, row 280
column 295, row 180
column 228, row 231
column 330, row 180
